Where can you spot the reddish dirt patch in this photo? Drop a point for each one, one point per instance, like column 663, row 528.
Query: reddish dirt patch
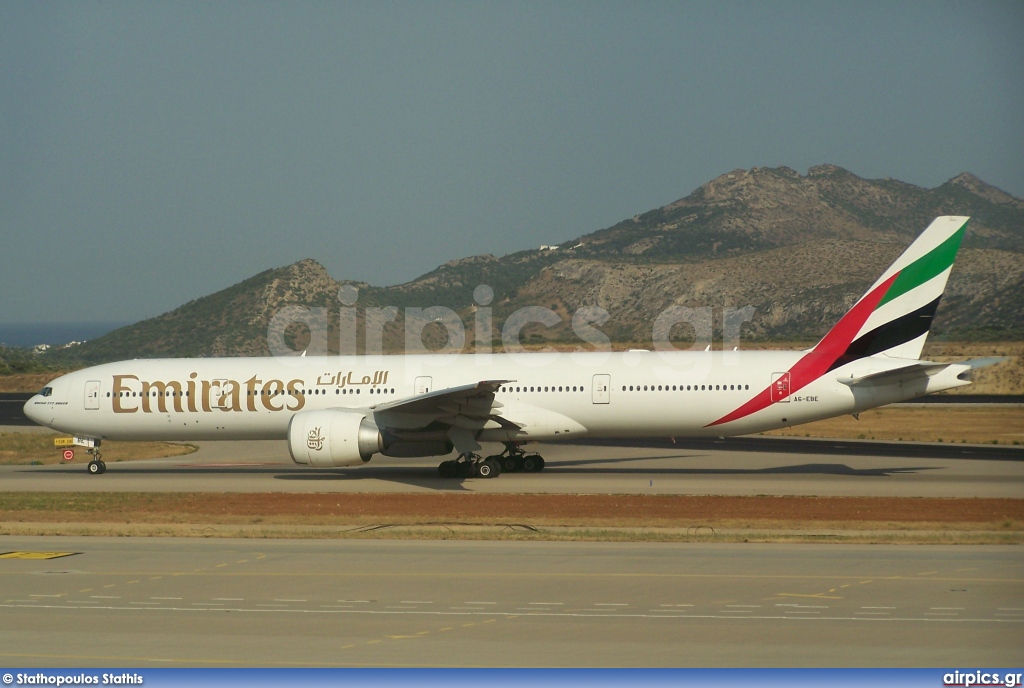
column 568, row 510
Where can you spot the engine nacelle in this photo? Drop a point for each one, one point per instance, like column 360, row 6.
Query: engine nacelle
column 333, row 438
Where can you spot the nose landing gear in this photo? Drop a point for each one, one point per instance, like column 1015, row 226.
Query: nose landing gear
column 96, row 466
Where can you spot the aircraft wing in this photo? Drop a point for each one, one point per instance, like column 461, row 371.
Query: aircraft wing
column 471, row 406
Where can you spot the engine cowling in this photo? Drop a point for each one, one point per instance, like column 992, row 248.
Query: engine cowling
column 333, row 438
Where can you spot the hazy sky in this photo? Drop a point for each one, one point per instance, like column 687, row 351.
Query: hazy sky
column 152, row 153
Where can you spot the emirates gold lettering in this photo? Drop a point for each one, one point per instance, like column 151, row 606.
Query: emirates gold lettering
column 161, row 389
column 228, row 400
column 297, row 394
column 271, row 390
column 121, row 392
column 206, row 385
column 250, row 393
column 191, row 394
column 215, row 395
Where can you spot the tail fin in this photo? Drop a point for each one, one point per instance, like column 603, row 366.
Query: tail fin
column 894, row 316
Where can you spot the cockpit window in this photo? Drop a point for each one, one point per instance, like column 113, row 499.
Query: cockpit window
column 46, row 391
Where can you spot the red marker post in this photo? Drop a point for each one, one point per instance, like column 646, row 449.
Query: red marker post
column 69, row 454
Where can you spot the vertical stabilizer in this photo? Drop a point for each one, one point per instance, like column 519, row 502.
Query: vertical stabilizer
column 894, row 316
column 891, row 319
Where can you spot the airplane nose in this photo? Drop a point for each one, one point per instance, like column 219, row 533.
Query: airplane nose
column 29, row 410
column 36, row 414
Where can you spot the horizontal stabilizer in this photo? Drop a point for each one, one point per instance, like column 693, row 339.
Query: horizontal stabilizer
column 975, row 363
column 886, row 377
column 917, row 369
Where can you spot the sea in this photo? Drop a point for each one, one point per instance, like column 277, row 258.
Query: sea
column 54, row 334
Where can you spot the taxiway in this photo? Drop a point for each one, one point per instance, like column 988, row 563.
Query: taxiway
column 738, row 466
column 192, row 602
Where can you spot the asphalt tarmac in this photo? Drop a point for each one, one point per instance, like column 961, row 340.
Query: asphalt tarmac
column 736, row 466
column 139, row 602
column 191, row 602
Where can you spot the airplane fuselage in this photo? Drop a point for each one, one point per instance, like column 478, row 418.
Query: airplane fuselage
column 551, row 395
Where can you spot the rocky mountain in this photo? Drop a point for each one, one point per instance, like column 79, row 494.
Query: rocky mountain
column 797, row 248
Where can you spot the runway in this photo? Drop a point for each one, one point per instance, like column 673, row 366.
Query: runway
column 139, row 602
column 167, row 602
column 736, row 466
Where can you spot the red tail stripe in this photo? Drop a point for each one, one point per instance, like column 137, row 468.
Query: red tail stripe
column 817, row 362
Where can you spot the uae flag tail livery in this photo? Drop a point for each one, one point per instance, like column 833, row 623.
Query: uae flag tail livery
column 879, row 340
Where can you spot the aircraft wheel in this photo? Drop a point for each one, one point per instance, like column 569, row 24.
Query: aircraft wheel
column 448, row 469
column 465, row 469
column 489, row 468
column 531, row 463
column 509, row 464
column 540, row 462
column 95, row 467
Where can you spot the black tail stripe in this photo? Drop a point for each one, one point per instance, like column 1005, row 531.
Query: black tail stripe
column 893, row 333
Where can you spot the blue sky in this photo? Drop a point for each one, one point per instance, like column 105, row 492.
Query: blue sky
column 152, row 153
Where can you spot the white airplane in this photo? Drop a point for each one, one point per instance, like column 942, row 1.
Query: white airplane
column 341, row 410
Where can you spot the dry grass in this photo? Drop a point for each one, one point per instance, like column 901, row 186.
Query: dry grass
column 411, row 516
column 23, row 448
column 975, row 425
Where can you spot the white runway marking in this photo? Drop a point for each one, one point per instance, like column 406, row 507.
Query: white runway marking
column 265, row 608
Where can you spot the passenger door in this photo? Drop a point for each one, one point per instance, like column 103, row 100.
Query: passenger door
column 92, row 395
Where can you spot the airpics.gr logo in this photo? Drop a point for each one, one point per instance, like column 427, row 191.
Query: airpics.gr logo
column 315, row 440
column 966, row 679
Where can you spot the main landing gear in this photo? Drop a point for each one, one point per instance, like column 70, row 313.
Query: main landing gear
column 469, row 466
column 515, row 460
column 512, row 460
column 96, row 466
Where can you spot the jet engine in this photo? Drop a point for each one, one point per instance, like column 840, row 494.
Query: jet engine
column 328, row 439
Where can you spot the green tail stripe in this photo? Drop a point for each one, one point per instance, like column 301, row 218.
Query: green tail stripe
column 926, row 267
